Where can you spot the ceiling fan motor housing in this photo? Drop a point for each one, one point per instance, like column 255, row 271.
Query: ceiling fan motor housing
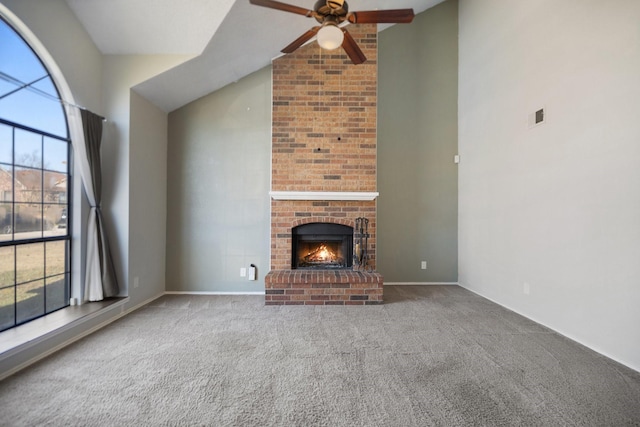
column 334, row 8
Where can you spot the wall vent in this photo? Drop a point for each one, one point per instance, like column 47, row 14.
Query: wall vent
column 536, row 118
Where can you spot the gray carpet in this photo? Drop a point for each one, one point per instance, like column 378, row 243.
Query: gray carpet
column 436, row 355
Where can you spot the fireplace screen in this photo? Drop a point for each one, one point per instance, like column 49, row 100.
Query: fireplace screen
column 321, row 246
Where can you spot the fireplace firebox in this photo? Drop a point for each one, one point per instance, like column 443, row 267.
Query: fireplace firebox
column 321, row 246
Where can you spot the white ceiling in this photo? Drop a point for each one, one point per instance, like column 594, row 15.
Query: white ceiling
column 231, row 38
column 130, row 27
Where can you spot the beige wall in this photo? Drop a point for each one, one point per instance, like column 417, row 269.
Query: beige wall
column 549, row 217
column 417, row 139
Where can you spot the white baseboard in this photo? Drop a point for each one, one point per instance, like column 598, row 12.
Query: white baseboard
column 420, row 283
column 262, row 292
column 212, row 293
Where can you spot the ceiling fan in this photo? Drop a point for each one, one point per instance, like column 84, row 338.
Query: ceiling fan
column 330, row 14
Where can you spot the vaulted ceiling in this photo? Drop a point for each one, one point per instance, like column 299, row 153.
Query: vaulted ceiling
column 228, row 39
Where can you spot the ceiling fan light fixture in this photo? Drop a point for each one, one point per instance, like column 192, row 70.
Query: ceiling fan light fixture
column 330, row 14
column 330, row 37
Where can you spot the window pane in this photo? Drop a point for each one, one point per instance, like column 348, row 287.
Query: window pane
column 55, row 187
column 55, row 220
column 6, row 87
column 36, row 105
column 7, row 299
column 6, row 222
column 16, row 56
column 28, row 149
column 29, row 262
column 57, row 290
column 34, row 110
column 28, row 186
column 30, row 300
column 55, row 154
column 27, row 221
column 46, row 87
column 6, row 144
column 6, row 184
column 7, row 266
column 56, row 255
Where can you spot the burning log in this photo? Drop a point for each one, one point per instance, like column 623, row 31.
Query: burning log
column 322, row 257
column 320, row 254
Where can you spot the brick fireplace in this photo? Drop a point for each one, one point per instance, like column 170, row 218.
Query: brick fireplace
column 324, row 159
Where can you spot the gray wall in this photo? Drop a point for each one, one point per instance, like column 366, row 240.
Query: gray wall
column 550, row 215
column 417, row 139
column 218, row 180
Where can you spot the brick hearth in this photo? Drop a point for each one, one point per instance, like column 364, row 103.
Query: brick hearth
column 323, row 287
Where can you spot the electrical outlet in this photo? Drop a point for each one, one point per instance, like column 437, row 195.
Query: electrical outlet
column 525, row 288
column 243, row 272
column 424, row 265
column 136, row 282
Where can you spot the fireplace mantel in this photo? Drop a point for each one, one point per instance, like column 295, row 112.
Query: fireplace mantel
column 323, row 195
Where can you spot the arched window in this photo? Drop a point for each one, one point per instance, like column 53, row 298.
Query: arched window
column 35, row 157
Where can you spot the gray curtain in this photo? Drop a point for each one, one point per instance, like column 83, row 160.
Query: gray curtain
column 100, row 278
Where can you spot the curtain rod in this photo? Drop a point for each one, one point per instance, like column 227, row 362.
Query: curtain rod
column 28, row 86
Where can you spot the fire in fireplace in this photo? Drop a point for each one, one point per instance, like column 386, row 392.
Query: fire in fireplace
column 321, row 245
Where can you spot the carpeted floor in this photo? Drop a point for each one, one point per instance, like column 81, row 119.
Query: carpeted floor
column 433, row 355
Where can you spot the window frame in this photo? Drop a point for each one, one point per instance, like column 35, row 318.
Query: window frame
column 67, row 206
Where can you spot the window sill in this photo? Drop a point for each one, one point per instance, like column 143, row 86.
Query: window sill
column 33, row 332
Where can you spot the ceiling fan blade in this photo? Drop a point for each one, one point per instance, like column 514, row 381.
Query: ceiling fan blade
column 391, row 16
column 283, row 6
column 352, row 49
column 301, row 40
